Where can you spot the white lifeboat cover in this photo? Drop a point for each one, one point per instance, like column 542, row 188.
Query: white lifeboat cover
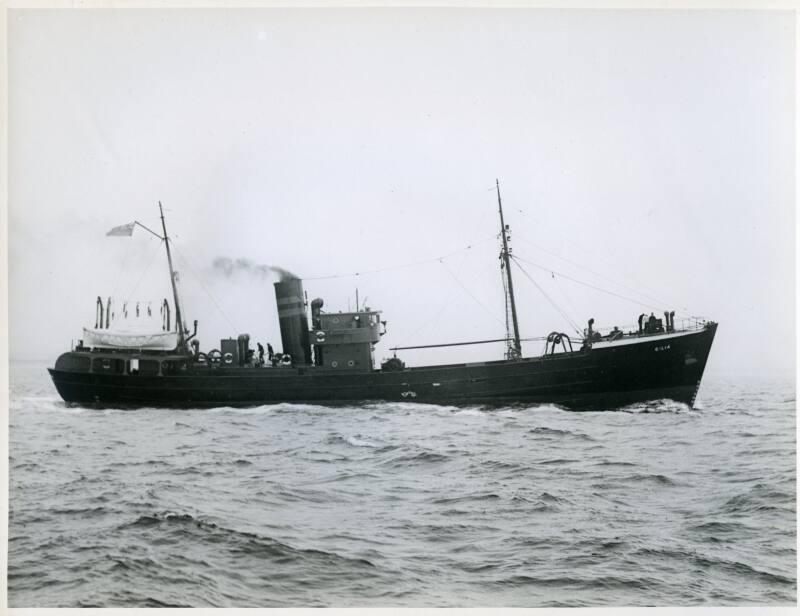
column 130, row 339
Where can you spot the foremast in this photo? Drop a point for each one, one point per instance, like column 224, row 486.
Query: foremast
column 173, row 279
column 514, row 348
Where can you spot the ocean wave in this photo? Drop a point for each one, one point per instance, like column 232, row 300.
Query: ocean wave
column 650, row 477
column 237, row 542
column 606, row 582
column 556, row 432
column 664, row 405
column 716, row 528
column 466, row 498
column 353, row 441
column 710, row 562
column 421, row 457
column 469, row 412
column 760, row 498
column 552, row 498
column 36, row 400
column 501, row 465
column 81, row 511
column 388, row 408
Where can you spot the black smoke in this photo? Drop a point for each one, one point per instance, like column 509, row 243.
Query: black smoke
column 228, row 267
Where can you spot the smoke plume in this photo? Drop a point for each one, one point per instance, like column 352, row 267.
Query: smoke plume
column 228, row 267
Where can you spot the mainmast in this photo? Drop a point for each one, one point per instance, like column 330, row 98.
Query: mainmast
column 172, row 275
column 514, row 347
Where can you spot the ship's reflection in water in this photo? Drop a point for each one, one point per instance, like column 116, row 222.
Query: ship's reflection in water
column 403, row 504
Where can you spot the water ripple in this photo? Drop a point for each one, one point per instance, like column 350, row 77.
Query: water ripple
column 402, row 504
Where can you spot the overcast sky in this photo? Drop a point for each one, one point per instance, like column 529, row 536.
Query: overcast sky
column 650, row 153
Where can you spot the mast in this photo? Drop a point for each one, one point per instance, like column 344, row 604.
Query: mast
column 178, row 311
column 515, row 351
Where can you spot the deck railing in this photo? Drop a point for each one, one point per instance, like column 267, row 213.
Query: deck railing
column 686, row 324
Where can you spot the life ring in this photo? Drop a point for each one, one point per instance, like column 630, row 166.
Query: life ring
column 228, row 358
column 320, row 335
column 214, row 356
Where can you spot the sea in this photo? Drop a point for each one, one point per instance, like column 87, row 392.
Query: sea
column 406, row 504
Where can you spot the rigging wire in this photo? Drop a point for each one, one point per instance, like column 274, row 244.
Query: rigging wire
column 470, row 294
column 586, row 284
column 144, row 273
column 122, row 267
column 505, row 299
column 448, row 299
column 561, row 290
column 203, row 286
column 396, row 267
column 603, row 277
column 547, row 297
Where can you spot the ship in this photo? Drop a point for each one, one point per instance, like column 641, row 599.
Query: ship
column 332, row 361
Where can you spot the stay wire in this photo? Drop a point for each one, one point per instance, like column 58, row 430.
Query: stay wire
column 448, row 299
column 203, row 286
column 467, row 291
column 144, row 273
column 437, row 315
column 122, row 267
column 547, row 297
column 563, row 293
column 402, row 266
column 658, row 301
column 586, row 284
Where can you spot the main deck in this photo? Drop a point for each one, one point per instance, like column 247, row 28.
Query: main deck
column 608, row 374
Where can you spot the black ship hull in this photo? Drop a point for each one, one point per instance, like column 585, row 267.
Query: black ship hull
column 607, row 376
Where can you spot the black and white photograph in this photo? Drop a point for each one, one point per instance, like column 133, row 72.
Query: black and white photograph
column 417, row 307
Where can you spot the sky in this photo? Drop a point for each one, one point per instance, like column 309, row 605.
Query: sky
column 646, row 153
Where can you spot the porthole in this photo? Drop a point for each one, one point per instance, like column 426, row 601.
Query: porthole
column 334, row 364
column 335, row 319
column 351, row 363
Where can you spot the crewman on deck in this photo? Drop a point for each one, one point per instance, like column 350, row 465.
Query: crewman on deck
column 260, row 354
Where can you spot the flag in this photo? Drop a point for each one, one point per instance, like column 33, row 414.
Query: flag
column 123, row 229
